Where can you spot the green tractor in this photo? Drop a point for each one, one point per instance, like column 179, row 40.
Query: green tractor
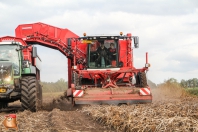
column 19, row 74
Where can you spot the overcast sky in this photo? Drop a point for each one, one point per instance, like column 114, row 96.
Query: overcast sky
column 167, row 29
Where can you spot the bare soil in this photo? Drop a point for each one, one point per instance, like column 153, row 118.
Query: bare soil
column 57, row 115
column 172, row 110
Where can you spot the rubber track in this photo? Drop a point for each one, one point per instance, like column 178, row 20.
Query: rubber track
column 28, row 93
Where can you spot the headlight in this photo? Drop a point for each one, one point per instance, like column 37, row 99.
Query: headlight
column 7, row 79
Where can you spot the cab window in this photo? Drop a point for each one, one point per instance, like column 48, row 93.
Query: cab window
column 102, row 54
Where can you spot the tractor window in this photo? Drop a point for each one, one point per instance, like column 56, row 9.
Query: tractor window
column 103, row 54
column 8, row 53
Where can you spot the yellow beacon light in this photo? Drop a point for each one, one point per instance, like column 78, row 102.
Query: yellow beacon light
column 84, row 34
column 121, row 33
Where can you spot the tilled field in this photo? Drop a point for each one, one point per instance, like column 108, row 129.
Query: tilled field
column 57, row 115
column 172, row 110
column 160, row 116
column 55, row 121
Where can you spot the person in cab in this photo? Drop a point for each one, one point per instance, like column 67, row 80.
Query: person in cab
column 112, row 52
column 102, row 60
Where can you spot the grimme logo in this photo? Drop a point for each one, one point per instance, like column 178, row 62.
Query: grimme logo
column 9, row 121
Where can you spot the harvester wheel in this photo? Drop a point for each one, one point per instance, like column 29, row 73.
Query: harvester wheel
column 76, row 81
column 143, row 80
column 30, row 92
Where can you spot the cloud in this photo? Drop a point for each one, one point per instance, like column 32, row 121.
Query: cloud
column 167, row 30
column 147, row 7
column 181, row 62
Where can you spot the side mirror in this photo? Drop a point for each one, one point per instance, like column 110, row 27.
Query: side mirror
column 136, row 42
column 34, row 52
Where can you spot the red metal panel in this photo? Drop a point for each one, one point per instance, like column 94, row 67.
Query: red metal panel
column 123, row 52
column 112, row 96
column 25, row 30
column 113, row 99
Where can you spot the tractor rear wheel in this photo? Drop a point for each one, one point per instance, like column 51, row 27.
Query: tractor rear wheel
column 3, row 105
column 30, row 93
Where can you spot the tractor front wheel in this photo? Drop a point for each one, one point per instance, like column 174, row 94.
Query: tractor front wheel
column 31, row 94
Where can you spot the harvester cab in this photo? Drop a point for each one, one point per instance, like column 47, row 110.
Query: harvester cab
column 102, row 55
column 104, row 51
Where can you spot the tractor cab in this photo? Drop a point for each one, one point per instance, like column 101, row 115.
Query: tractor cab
column 9, row 56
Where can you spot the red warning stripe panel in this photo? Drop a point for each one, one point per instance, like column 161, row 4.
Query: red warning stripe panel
column 145, row 91
column 78, row 93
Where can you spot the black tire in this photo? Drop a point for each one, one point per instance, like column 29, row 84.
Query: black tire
column 30, row 93
column 3, row 105
column 137, row 79
column 141, row 80
column 76, row 81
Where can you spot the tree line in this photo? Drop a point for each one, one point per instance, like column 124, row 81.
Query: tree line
column 189, row 83
column 61, row 84
column 58, row 86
